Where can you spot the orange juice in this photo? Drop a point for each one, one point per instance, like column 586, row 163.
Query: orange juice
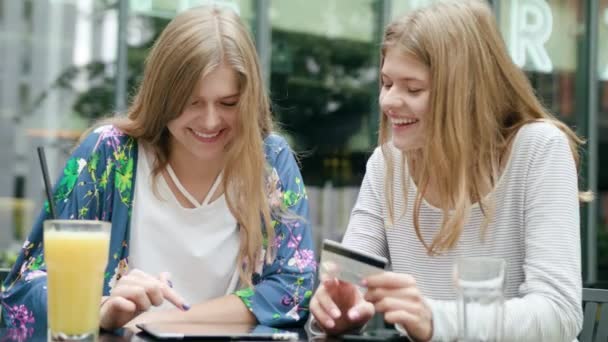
column 76, row 262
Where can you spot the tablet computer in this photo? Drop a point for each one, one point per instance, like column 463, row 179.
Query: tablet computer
column 215, row 331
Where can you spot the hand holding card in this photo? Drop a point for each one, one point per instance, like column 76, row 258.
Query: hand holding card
column 338, row 305
column 347, row 264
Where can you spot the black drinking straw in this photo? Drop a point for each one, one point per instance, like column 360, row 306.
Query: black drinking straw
column 47, row 183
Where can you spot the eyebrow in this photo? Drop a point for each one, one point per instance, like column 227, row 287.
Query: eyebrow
column 402, row 78
column 228, row 97
column 221, row 97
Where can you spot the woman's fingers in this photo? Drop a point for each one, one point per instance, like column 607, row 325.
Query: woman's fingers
column 389, row 280
column 322, row 317
column 135, row 293
column 170, row 294
column 152, row 286
column 165, row 278
column 116, row 312
column 121, row 304
column 402, row 317
column 323, row 308
column 361, row 312
column 339, row 307
column 375, row 294
column 393, row 304
column 398, row 297
column 177, row 300
column 157, row 289
column 328, row 304
column 418, row 323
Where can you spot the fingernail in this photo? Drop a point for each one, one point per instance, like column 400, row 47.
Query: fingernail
column 329, row 323
column 353, row 314
column 186, row 307
column 364, row 282
column 335, row 313
column 170, row 283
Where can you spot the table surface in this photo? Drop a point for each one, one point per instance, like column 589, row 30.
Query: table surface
column 131, row 335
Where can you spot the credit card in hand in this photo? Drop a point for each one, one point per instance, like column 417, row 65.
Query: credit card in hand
column 347, row 264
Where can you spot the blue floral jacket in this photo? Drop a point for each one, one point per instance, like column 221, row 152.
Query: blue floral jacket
column 98, row 183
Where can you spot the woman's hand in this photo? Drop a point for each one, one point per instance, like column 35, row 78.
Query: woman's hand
column 136, row 293
column 397, row 296
column 339, row 307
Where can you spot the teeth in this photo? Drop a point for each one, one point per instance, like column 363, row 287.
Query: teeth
column 206, row 136
column 396, row 121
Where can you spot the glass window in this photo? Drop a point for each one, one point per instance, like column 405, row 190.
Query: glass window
column 543, row 39
column 57, row 56
column 169, row 8
column 324, row 92
column 602, row 231
column 403, row 7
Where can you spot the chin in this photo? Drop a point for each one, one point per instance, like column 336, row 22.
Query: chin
column 401, row 145
column 207, row 156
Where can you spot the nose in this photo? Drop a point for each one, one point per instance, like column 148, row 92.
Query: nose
column 211, row 118
column 389, row 101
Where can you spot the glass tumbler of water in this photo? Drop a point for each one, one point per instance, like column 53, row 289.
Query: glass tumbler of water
column 480, row 286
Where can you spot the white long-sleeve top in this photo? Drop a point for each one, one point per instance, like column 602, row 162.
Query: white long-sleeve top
column 535, row 228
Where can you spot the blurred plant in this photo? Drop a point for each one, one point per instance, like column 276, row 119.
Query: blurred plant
column 322, row 88
column 8, row 258
column 98, row 98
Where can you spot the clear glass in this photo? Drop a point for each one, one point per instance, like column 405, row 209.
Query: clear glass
column 76, row 255
column 480, row 298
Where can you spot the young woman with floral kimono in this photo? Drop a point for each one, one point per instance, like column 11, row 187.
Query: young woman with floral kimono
column 207, row 204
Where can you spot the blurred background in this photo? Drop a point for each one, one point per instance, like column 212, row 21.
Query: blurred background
column 66, row 63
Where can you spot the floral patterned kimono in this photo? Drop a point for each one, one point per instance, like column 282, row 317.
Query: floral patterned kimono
column 98, row 183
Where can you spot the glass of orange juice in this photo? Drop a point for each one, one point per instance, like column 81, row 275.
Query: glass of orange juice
column 76, row 255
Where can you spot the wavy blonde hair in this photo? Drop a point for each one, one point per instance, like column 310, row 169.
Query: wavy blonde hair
column 195, row 43
column 478, row 101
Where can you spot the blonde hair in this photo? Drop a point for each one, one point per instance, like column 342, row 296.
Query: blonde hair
column 478, row 101
column 195, row 43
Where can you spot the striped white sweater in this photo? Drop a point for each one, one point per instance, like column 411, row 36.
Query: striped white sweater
column 535, row 229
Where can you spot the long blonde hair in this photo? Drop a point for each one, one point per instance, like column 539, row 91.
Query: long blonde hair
column 193, row 44
column 478, row 101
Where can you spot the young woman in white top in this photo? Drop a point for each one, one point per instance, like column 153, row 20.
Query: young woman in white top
column 207, row 204
column 470, row 164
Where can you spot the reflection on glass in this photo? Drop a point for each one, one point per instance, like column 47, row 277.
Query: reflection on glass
column 324, row 83
column 543, row 39
column 402, row 7
column 602, row 231
column 58, row 56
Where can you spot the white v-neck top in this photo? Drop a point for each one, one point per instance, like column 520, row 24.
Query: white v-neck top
column 198, row 246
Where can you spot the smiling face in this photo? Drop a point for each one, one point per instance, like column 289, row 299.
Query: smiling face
column 208, row 122
column 404, row 98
